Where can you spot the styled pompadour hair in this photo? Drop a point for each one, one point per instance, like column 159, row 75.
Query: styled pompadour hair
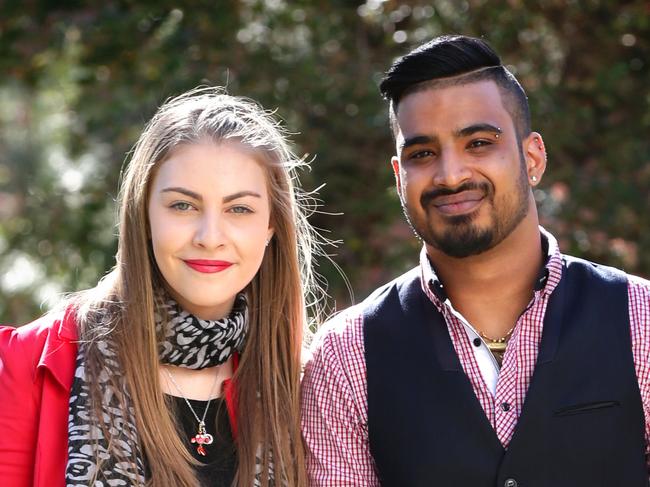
column 454, row 60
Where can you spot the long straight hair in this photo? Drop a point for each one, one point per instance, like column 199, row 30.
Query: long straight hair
column 121, row 308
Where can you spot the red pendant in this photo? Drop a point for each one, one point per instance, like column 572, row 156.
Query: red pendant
column 202, row 438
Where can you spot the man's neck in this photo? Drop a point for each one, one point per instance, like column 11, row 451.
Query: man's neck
column 493, row 288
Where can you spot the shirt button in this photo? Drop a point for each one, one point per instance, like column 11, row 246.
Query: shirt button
column 477, row 342
column 506, row 407
column 510, row 483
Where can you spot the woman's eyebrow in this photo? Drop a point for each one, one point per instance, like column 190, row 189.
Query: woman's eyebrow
column 186, row 192
column 240, row 194
column 198, row 197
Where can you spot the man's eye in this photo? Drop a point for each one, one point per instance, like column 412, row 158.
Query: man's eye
column 421, row 154
column 475, row 144
column 181, row 206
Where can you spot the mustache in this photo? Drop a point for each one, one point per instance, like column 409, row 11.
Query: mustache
column 429, row 196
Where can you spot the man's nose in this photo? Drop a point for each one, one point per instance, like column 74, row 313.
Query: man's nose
column 451, row 169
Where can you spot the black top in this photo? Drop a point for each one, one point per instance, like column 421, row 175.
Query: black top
column 220, row 462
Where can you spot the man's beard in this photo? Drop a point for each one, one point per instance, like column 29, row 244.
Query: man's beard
column 461, row 236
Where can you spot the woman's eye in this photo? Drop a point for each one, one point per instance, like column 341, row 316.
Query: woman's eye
column 181, row 206
column 240, row 209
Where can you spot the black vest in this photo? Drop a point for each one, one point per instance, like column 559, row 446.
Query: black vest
column 582, row 422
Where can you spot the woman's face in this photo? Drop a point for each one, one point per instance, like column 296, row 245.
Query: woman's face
column 209, row 215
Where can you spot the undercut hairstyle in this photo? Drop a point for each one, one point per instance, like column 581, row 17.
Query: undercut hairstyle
column 451, row 61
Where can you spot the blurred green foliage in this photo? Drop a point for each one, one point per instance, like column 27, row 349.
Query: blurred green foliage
column 81, row 78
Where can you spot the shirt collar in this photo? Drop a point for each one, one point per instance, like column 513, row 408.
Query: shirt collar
column 553, row 267
column 549, row 274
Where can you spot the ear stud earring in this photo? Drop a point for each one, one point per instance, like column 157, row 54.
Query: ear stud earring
column 533, row 179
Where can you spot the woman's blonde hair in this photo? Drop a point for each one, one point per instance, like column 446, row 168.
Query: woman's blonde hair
column 269, row 369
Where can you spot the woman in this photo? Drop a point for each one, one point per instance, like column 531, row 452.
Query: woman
column 181, row 367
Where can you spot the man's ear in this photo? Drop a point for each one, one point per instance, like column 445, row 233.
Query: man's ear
column 398, row 181
column 535, row 155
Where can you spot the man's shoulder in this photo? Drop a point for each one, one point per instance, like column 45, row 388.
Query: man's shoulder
column 638, row 287
column 379, row 294
column 639, row 281
column 345, row 328
column 639, row 291
column 603, row 269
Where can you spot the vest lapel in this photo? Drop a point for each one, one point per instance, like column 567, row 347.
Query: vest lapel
column 447, row 360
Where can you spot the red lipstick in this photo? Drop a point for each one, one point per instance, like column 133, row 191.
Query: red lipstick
column 208, row 266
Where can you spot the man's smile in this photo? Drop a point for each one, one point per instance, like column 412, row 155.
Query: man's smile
column 458, row 203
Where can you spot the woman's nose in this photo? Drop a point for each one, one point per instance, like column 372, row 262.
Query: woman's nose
column 210, row 231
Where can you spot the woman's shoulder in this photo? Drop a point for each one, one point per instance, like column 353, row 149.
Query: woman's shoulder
column 28, row 343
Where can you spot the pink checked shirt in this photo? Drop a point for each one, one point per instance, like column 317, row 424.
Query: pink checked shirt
column 334, row 399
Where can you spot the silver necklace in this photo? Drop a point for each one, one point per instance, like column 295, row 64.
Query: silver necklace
column 202, row 437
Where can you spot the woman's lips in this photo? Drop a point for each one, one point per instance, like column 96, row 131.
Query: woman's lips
column 459, row 203
column 208, row 266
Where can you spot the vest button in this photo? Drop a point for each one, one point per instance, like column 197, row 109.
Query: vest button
column 510, row 483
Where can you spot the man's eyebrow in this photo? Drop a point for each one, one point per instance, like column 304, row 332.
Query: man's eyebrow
column 477, row 127
column 198, row 197
column 186, row 192
column 417, row 140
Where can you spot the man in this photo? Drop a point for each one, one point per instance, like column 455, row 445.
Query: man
column 498, row 361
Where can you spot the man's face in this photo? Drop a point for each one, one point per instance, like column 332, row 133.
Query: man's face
column 461, row 173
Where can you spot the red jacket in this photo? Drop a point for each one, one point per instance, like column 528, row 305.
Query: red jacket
column 37, row 364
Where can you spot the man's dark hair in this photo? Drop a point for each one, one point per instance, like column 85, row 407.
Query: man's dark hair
column 454, row 60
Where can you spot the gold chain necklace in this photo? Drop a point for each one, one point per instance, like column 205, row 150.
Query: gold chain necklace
column 497, row 345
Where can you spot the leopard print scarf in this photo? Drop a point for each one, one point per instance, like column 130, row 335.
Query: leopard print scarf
column 188, row 342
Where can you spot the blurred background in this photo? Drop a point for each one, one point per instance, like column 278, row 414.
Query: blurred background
column 79, row 80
